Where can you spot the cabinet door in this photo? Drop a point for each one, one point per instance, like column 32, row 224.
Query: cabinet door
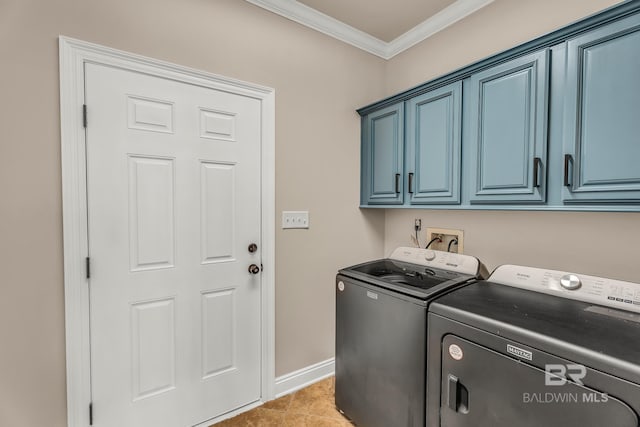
column 433, row 146
column 602, row 115
column 508, row 131
column 382, row 156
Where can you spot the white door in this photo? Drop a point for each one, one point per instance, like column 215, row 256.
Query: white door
column 173, row 178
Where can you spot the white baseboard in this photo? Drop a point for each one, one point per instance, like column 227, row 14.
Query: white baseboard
column 304, row 377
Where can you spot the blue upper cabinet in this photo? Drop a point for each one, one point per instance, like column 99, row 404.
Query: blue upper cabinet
column 551, row 124
column 433, row 146
column 382, row 156
column 602, row 115
column 508, row 131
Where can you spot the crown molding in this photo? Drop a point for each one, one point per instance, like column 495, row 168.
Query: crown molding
column 438, row 22
column 305, row 15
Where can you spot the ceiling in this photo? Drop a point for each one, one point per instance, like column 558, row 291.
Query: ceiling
column 381, row 27
column 385, row 20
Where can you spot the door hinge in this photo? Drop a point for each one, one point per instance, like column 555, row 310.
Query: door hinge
column 88, row 265
column 91, row 414
column 84, row 115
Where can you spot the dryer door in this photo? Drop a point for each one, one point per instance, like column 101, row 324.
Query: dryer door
column 483, row 388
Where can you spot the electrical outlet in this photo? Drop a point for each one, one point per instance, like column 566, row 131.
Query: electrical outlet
column 417, row 224
column 446, row 236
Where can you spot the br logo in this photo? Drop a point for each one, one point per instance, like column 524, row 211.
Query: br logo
column 557, row 374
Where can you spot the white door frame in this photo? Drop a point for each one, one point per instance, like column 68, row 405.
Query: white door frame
column 73, row 55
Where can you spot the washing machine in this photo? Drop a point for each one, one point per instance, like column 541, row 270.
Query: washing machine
column 531, row 347
column 381, row 332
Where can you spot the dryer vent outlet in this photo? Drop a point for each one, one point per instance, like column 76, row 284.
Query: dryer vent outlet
column 450, row 239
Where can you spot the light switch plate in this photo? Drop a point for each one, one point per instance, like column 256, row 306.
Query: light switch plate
column 295, row 219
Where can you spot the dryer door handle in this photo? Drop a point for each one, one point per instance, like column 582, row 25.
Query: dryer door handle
column 458, row 395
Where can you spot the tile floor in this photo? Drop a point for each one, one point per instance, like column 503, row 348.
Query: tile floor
column 310, row 407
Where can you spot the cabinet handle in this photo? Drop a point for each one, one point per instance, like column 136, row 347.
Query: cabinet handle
column 410, row 182
column 536, row 171
column 397, row 183
column 567, row 161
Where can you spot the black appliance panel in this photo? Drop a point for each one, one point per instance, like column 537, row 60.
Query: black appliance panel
column 552, row 329
column 382, row 342
column 488, row 389
column 609, row 343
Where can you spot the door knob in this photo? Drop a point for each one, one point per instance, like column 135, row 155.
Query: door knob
column 254, row 269
column 252, row 248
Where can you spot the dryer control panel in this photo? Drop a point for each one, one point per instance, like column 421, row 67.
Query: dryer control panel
column 597, row 290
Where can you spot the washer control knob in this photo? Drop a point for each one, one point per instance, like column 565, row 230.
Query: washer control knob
column 570, row 282
column 429, row 255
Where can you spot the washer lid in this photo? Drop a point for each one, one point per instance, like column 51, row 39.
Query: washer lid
column 418, row 272
column 410, row 279
column 406, row 274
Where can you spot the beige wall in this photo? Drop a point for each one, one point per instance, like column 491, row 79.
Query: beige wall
column 595, row 243
column 319, row 83
column 587, row 242
column 499, row 26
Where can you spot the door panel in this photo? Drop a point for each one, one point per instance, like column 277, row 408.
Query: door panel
column 483, row 388
column 601, row 113
column 433, row 146
column 217, row 203
column 508, row 131
column 150, row 114
column 151, row 213
column 154, row 350
column 382, row 154
column 173, row 194
column 218, row 332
